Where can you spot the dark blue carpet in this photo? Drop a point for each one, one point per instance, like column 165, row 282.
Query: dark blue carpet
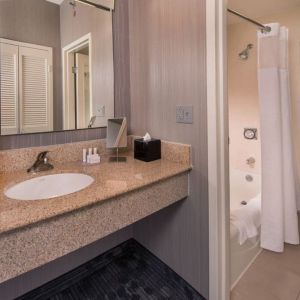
column 128, row 271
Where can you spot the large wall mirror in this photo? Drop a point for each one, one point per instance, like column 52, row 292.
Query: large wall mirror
column 56, row 65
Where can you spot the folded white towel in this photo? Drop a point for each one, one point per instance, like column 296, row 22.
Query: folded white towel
column 247, row 219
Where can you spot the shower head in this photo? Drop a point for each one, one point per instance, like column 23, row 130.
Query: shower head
column 244, row 55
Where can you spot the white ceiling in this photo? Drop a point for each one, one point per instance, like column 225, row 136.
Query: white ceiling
column 259, row 8
column 59, row 2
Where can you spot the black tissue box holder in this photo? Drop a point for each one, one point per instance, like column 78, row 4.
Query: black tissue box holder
column 147, row 150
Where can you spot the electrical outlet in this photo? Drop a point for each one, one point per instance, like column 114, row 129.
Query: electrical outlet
column 184, row 114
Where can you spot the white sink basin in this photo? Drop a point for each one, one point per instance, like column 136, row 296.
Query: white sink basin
column 49, row 186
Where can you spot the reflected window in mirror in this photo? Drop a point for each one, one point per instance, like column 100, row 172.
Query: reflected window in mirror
column 56, row 66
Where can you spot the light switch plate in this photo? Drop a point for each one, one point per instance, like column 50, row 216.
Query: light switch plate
column 101, row 111
column 184, row 114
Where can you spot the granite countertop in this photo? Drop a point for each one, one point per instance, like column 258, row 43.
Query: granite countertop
column 111, row 180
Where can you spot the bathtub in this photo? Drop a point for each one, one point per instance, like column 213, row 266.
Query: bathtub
column 243, row 187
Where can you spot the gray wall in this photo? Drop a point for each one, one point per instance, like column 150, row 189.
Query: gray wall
column 121, row 91
column 98, row 22
column 36, row 22
column 168, row 68
column 122, row 61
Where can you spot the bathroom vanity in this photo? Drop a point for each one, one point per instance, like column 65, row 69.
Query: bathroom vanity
column 33, row 233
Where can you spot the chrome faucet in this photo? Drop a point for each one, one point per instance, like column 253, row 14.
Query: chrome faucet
column 92, row 121
column 41, row 163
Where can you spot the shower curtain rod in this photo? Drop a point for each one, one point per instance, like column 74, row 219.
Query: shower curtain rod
column 93, row 4
column 261, row 26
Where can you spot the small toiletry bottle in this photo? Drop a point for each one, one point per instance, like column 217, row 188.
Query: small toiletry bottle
column 95, row 151
column 89, row 155
column 84, row 156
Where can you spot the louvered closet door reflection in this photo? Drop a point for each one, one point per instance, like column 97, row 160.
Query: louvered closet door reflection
column 35, row 90
column 9, row 88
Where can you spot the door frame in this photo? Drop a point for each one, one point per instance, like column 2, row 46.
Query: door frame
column 68, row 85
column 218, row 154
column 80, row 92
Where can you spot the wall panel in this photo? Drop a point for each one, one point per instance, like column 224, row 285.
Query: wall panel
column 168, row 68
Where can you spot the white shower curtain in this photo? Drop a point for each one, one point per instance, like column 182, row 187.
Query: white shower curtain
column 279, row 222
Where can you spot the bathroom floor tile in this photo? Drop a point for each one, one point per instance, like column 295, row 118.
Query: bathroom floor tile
column 290, row 258
column 128, row 271
column 235, row 295
column 272, row 276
